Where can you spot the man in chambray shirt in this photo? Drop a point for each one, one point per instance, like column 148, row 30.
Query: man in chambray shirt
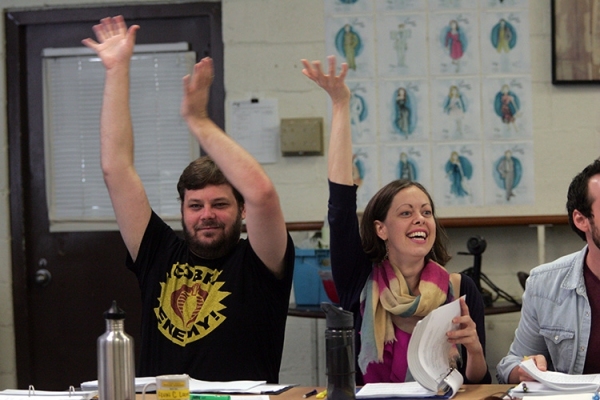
column 560, row 318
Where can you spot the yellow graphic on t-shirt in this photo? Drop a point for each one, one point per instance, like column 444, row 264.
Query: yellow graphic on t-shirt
column 190, row 303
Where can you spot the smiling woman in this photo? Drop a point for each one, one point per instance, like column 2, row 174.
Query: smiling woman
column 391, row 274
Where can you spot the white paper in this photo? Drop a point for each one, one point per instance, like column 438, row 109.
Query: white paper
column 20, row 394
column 196, row 386
column 247, row 397
column 255, row 126
column 538, row 389
column 429, row 350
column 562, row 381
column 577, row 396
column 406, row 389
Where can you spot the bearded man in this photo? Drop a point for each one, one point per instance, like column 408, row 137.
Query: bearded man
column 214, row 305
column 560, row 318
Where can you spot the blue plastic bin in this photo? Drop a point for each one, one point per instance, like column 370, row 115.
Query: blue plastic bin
column 308, row 287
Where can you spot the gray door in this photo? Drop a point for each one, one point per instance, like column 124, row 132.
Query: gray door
column 63, row 282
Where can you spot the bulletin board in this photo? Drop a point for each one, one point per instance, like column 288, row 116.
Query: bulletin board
column 442, row 93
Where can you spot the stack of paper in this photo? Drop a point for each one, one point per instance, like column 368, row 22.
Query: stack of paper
column 196, row 386
column 391, row 390
column 429, row 350
column 537, row 389
column 555, row 385
column 560, row 381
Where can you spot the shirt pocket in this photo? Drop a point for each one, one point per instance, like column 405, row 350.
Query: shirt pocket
column 560, row 343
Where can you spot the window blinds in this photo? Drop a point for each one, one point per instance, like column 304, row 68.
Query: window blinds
column 73, row 85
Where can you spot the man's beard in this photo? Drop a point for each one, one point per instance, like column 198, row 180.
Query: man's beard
column 217, row 248
column 595, row 233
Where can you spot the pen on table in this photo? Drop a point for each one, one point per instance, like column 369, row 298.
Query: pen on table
column 202, row 396
column 322, row 395
column 311, row 393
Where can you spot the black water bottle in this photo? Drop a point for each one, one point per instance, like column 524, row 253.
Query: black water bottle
column 339, row 349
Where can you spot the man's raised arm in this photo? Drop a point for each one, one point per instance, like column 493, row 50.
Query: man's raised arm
column 265, row 223
column 129, row 200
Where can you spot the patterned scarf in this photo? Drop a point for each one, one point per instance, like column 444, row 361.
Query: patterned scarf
column 386, row 302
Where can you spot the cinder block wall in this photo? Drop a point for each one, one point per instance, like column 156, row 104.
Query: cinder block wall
column 264, row 42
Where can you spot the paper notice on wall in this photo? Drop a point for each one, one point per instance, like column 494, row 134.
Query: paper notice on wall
column 255, row 126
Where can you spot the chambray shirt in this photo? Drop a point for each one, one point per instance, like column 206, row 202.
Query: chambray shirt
column 555, row 319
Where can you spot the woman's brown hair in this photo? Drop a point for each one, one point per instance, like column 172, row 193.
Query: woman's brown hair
column 377, row 210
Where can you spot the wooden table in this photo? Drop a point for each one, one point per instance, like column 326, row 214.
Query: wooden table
column 467, row 392
column 294, row 310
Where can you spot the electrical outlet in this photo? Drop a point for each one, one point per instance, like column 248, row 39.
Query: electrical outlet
column 301, row 136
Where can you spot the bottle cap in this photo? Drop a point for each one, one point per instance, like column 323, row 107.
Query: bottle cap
column 336, row 317
column 114, row 312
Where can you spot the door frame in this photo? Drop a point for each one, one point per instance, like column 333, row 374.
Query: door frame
column 16, row 23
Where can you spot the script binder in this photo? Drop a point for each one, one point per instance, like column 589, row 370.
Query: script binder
column 71, row 394
column 537, row 389
column 429, row 350
column 428, row 361
column 561, row 382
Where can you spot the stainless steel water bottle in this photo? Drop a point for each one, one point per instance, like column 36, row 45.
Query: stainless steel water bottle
column 339, row 349
column 116, row 366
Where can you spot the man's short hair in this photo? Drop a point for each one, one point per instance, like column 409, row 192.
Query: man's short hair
column 578, row 197
column 203, row 172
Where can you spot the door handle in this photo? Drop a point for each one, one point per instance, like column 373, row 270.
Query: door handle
column 43, row 277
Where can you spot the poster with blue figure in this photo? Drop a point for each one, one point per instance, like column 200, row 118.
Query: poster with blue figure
column 458, row 170
column 407, row 169
column 362, row 120
column 503, row 36
column 405, row 117
column 400, row 5
column 405, row 161
column 506, row 105
column 501, row 4
column 404, row 108
column 358, row 170
column 458, row 174
column 436, row 5
column 505, row 42
column 352, row 40
column 348, row 6
column 358, row 109
column 364, row 173
column 349, row 44
column 507, row 108
column 510, row 173
column 507, row 173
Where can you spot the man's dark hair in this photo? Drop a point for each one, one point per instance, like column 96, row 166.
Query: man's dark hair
column 578, row 197
column 377, row 210
column 204, row 172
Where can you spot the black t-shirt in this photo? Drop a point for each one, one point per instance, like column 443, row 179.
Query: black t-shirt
column 216, row 320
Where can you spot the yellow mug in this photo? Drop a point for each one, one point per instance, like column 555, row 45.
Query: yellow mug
column 171, row 387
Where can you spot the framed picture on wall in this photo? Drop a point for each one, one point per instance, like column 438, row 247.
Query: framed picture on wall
column 575, row 45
